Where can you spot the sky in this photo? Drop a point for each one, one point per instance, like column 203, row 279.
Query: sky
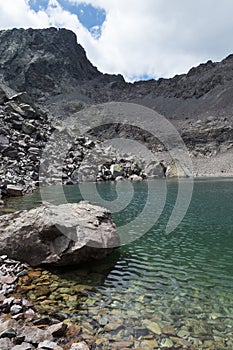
column 140, row 39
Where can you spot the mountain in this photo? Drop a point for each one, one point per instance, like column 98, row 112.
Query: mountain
column 50, row 62
column 54, row 71
column 45, row 60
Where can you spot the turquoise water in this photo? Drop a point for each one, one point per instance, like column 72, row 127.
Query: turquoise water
column 184, row 279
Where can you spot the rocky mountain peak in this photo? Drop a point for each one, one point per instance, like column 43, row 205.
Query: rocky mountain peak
column 50, row 64
column 48, row 60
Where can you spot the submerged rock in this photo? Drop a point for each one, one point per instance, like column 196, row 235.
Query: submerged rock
column 60, row 235
column 79, row 346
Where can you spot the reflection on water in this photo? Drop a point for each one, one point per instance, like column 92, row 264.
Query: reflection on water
column 183, row 280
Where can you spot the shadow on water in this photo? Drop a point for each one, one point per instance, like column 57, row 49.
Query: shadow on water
column 92, row 274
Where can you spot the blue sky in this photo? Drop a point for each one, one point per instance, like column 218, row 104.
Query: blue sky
column 89, row 16
column 135, row 38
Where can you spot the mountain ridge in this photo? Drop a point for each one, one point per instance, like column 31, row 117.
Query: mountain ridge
column 49, row 62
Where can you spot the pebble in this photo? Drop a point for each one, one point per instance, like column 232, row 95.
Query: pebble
column 15, row 309
column 166, row 343
column 149, row 344
column 152, row 326
column 122, row 344
column 8, row 333
column 23, row 346
column 169, row 330
column 183, row 333
column 58, row 330
column 79, row 346
column 48, row 345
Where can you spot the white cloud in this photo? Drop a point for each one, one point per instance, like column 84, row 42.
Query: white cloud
column 18, row 14
column 161, row 37
column 140, row 37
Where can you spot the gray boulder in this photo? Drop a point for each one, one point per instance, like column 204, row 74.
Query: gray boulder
column 66, row 234
column 177, row 169
column 14, row 191
column 154, row 170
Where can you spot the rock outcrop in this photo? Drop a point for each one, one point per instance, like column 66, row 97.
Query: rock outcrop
column 24, row 131
column 44, row 60
column 67, row 234
column 208, row 136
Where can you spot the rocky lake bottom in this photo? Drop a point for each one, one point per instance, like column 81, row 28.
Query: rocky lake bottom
column 162, row 291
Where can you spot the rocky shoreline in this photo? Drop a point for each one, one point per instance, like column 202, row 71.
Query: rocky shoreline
column 24, row 133
column 21, row 327
column 26, row 130
column 40, row 311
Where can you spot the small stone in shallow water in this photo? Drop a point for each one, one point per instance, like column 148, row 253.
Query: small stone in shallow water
column 166, row 343
column 199, row 327
column 26, row 303
column 132, row 314
column 8, row 301
column 183, row 333
column 29, row 314
column 149, row 345
column 103, row 320
column 15, row 309
column 79, row 346
column 209, row 344
column 152, row 326
column 214, row 316
column 122, row 345
column 169, row 330
column 140, row 332
column 23, row 346
column 8, row 333
column 58, row 330
column 3, row 257
column 100, row 341
column 183, row 343
column 113, row 325
column 50, row 345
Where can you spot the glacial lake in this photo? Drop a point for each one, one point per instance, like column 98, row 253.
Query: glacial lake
column 182, row 280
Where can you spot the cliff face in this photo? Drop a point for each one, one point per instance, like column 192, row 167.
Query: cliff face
column 45, row 60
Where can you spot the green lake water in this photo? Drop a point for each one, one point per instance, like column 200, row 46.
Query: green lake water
column 183, row 279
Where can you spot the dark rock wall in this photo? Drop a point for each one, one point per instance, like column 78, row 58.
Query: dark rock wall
column 43, row 60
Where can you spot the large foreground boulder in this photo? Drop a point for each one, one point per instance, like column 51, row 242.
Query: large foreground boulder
column 60, row 235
